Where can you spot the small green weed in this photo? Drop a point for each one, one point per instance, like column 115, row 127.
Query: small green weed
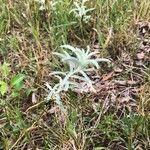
column 14, row 85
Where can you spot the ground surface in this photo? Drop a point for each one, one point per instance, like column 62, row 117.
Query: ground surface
column 116, row 117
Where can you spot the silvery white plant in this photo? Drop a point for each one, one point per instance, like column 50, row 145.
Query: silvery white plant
column 78, row 64
column 42, row 4
column 54, row 4
column 81, row 10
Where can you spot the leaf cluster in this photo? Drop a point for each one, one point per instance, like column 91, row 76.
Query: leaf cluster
column 79, row 62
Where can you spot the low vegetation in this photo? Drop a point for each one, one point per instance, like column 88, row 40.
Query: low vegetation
column 75, row 75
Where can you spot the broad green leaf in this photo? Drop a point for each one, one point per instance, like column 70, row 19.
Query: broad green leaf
column 19, row 86
column 3, row 87
column 17, row 81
